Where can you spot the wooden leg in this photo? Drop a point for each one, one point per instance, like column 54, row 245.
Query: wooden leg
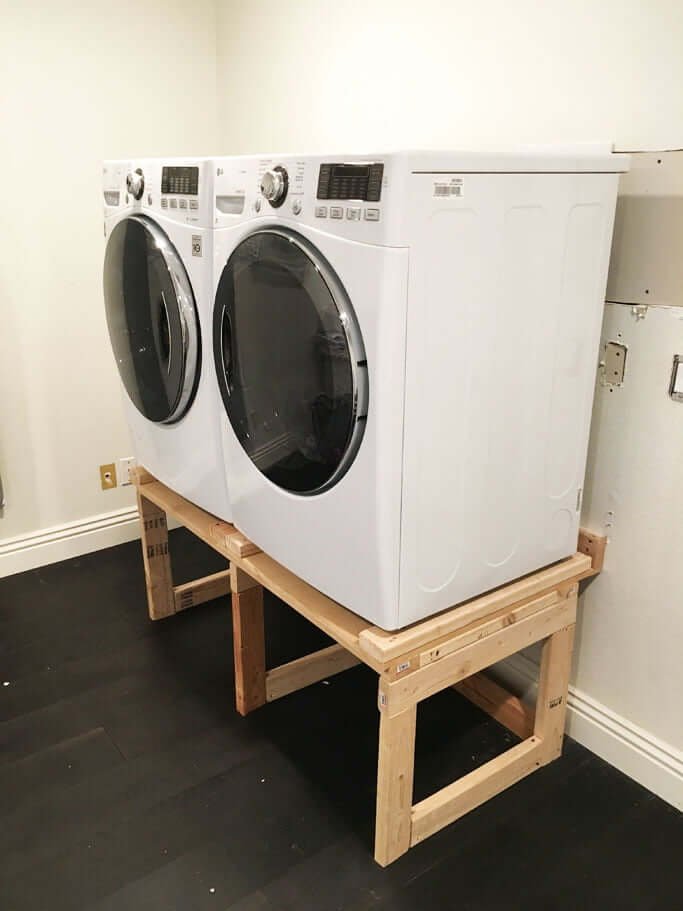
column 395, row 785
column 157, row 560
column 553, row 684
column 248, row 642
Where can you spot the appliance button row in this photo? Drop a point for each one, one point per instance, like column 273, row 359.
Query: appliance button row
column 179, row 203
column 352, row 213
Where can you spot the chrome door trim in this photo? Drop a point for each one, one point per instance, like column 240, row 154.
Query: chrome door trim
column 354, row 340
column 189, row 315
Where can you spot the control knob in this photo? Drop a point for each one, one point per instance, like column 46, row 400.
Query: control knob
column 135, row 183
column 274, row 185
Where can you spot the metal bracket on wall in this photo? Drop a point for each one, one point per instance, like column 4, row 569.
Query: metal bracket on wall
column 613, row 364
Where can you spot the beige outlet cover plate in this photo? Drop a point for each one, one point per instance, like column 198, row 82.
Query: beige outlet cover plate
column 108, row 476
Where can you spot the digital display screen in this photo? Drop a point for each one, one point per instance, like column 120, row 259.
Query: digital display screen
column 351, row 181
column 181, row 181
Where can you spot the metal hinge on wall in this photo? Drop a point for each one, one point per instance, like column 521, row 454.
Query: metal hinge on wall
column 613, row 364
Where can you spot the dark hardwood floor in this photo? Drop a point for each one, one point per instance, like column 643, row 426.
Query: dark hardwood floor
column 127, row 780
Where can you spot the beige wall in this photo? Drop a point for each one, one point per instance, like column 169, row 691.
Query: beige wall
column 314, row 75
column 80, row 82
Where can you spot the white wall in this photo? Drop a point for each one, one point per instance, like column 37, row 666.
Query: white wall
column 80, row 82
column 315, row 75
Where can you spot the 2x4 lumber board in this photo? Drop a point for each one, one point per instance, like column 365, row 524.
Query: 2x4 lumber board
column 140, row 475
column 395, row 696
column 196, row 520
column 156, row 560
column 500, row 704
column 249, row 649
column 234, row 541
column 190, row 594
column 329, row 616
column 395, row 769
column 239, row 580
column 468, row 792
column 295, row 675
column 553, row 684
column 594, row 547
column 480, row 629
column 383, row 646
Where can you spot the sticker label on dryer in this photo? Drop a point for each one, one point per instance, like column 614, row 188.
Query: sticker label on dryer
column 444, row 188
column 196, row 245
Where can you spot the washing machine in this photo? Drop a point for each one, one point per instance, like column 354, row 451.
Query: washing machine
column 158, row 297
column 406, row 347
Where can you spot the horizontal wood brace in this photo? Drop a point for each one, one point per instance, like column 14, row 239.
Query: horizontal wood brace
column 468, row 792
column 384, row 646
column 198, row 591
column 295, row 675
column 396, row 696
column 507, row 709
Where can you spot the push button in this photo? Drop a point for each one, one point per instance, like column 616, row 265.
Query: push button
column 372, row 214
column 321, row 211
column 353, row 214
column 336, row 212
column 173, row 203
column 182, row 204
column 194, row 203
column 164, row 203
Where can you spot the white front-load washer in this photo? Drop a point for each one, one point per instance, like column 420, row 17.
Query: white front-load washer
column 158, row 296
column 406, row 346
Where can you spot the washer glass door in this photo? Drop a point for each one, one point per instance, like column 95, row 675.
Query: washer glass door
column 152, row 319
column 290, row 361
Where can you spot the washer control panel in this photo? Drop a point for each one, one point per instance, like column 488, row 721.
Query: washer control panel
column 351, row 181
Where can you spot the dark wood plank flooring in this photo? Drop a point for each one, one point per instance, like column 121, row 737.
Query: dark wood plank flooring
column 127, row 780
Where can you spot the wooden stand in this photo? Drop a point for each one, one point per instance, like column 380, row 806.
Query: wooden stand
column 449, row 649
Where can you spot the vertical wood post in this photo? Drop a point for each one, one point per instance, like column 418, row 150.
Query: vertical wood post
column 396, row 763
column 248, row 641
column 156, row 559
column 553, row 685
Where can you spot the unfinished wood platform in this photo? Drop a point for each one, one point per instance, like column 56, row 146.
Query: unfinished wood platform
column 450, row 649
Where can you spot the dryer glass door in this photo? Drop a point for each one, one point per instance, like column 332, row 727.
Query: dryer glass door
column 290, row 361
column 152, row 319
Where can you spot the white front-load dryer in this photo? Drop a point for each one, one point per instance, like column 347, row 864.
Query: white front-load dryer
column 406, row 346
column 158, row 297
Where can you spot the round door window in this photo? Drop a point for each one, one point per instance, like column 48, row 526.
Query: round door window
column 152, row 319
column 290, row 361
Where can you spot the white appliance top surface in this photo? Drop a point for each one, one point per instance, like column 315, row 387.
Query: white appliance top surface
column 579, row 157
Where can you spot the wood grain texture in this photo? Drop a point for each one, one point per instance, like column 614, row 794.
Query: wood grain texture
column 468, row 792
column 156, row 559
column 249, row 649
column 295, row 675
column 553, row 684
column 497, row 702
column 383, row 646
column 190, row 594
column 395, row 770
column 478, row 655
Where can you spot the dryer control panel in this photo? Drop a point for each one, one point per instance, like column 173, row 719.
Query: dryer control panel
column 351, row 181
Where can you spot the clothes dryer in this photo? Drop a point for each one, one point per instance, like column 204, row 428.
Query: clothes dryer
column 406, row 346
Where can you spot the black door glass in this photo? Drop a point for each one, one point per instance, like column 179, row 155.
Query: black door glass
column 283, row 363
column 147, row 326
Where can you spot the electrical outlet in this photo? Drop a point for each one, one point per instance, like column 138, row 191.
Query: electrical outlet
column 108, row 476
column 124, row 467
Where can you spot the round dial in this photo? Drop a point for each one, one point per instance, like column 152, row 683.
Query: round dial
column 135, row 183
column 274, row 185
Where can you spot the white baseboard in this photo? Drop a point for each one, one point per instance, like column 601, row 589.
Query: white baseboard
column 72, row 539
column 650, row 761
